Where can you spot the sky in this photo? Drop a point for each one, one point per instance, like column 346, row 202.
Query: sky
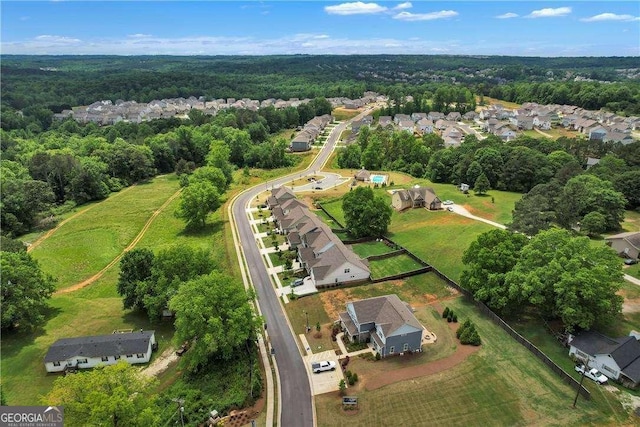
column 521, row 28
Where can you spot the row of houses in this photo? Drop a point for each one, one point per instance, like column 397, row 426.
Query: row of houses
column 309, row 133
column 107, row 112
column 327, row 260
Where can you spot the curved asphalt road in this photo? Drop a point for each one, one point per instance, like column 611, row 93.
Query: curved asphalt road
column 295, row 390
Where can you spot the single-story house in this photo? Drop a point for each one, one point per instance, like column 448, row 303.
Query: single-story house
column 617, row 358
column 420, row 197
column 362, row 175
column 89, row 352
column 627, row 244
column 387, row 321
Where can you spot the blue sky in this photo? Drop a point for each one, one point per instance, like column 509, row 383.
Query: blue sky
column 525, row 28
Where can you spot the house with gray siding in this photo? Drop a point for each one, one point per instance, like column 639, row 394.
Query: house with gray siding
column 386, row 321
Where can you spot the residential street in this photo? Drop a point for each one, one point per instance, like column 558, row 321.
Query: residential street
column 295, row 395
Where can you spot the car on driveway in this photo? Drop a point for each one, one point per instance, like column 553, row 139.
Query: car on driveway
column 630, row 261
column 297, row 282
column 593, row 374
column 450, row 209
column 323, row 366
column 447, row 202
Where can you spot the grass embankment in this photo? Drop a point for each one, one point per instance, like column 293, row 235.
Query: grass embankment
column 86, row 244
column 394, row 265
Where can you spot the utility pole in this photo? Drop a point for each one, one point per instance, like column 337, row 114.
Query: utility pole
column 180, row 403
column 586, row 366
column 307, row 315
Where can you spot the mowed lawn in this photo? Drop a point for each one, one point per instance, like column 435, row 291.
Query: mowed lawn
column 334, row 207
column 97, row 308
column 86, row 244
column 501, row 385
column 368, row 249
column 397, row 264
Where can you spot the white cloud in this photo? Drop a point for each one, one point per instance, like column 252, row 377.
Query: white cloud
column 610, row 17
column 507, row 15
column 355, row 8
column 550, row 12
column 321, row 36
column 139, row 36
column 405, row 5
column 408, row 16
column 56, row 39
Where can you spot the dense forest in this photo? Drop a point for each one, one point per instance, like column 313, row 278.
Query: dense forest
column 37, row 84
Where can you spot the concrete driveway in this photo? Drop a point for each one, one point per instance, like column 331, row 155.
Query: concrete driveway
column 324, row 382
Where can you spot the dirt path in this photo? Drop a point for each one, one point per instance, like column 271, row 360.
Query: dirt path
column 543, row 133
column 161, row 363
column 49, row 233
column 390, row 377
column 132, row 245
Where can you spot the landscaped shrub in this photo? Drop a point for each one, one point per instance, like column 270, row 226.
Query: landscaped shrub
column 468, row 333
column 355, row 377
column 378, row 357
column 343, row 387
column 445, row 313
column 450, row 316
column 454, row 318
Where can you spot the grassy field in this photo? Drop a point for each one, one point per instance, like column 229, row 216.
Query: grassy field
column 394, row 265
column 340, row 114
column 311, row 305
column 501, row 385
column 97, row 309
column 367, row 249
column 83, row 246
column 633, row 270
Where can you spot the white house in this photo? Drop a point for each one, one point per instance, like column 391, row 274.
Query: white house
column 617, row 358
column 89, row 352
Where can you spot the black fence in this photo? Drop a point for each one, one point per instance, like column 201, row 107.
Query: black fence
column 329, row 215
column 522, row 340
column 387, row 255
column 403, row 275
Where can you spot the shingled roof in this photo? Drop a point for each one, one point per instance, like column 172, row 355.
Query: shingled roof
column 388, row 311
column 99, row 346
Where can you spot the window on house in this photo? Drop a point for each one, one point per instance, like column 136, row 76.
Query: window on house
column 105, row 358
column 140, row 356
column 581, row 354
column 392, row 350
column 129, row 355
column 347, row 270
column 608, row 369
column 117, row 357
column 405, row 347
column 56, row 363
column 83, row 361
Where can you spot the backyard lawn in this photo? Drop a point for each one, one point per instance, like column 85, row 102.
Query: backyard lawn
column 391, row 266
column 367, row 249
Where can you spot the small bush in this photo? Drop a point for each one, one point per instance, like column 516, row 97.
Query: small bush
column 450, row 317
column 445, row 313
column 463, row 327
column 343, row 387
column 378, row 357
column 468, row 334
column 454, row 318
column 355, row 377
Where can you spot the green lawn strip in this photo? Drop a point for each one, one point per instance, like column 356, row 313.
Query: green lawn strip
column 313, row 306
column 275, row 259
column 395, row 265
column 366, row 249
column 440, row 240
column 631, row 221
column 633, row 270
column 278, row 238
column 334, row 207
column 415, row 290
column 86, row 244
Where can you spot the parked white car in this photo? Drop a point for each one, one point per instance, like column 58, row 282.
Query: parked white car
column 323, row 366
column 447, row 202
column 593, row 374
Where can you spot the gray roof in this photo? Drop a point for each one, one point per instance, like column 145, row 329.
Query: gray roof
column 388, row 311
column 282, row 193
column 99, row 346
column 632, row 237
column 625, row 350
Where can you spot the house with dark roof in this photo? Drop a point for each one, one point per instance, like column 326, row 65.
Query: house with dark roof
column 89, row 352
column 417, row 197
column 627, row 244
column 280, row 195
column 617, row 358
column 362, row 175
column 386, row 321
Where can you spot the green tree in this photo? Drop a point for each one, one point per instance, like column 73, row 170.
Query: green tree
column 366, row 214
column 350, row 157
column 115, row 395
column 197, row 201
column 567, row 278
column 22, row 203
column 473, row 172
column 482, row 184
column 593, row 223
column 172, row 267
column 537, row 209
column 25, row 291
column 587, row 193
column 135, row 267
column 210, row 174
column 487, row 260
column 628, row 184
column 213, row 312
